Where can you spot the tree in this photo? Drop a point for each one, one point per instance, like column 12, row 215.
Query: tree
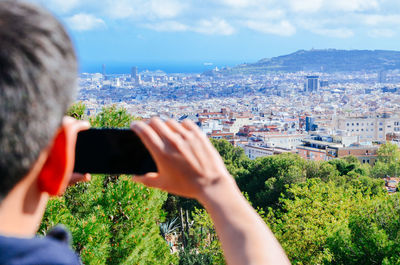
column 112, row 117
column 311, row 215
column 388, row 162
column 234, row 157
column 266, row 178
column 77, row 111
column 372, row 234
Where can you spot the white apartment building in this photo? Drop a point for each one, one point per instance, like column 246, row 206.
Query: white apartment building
column 369, row 128
column 236, row 123
column 253, row 152
column 281, row 140
column 210, row 125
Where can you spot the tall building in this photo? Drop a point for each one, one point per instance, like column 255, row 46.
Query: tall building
column 382, row 76
column 310, row 124
column 103, row 70
column 312, row 83
column 134, row 72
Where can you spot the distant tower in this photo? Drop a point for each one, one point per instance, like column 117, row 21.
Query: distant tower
column 103, row 70
column 134, row 74
column 312, row 83
column 382, row 76
column 310, row 124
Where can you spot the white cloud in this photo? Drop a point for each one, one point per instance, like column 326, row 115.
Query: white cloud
column 308, row 6
column 215, row 26
column 59, row 6
column 236, row 3
column 312, row 6
column 84, row 22
column 353, row 5
column 283, row 28
column 380, row 20
column 167, row 26
column 120, row 9
column 342, row 33
column 334, row 18
column 324, row 28
column 381, row 33
column 166, row 8
column 144, row 9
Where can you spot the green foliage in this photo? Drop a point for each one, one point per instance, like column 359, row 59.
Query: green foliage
column 350, row 166
column 112, row 117
column 169, row 227
column 191, row 256
column 388, row 153
column 113, row 221
column 371, row 235
column 234, row 157
column 388, row 162
column 266, row 178
column 309, row 217
column 206, row 237
column 77, row 111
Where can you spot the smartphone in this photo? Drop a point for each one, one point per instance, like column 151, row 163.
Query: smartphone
column 112, row 151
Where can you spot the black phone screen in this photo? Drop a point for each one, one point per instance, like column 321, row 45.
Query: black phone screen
column 112, row 151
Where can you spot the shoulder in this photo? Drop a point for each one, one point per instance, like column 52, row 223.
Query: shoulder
column 36, row 251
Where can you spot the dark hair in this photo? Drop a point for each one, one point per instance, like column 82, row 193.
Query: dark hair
column 38, row 79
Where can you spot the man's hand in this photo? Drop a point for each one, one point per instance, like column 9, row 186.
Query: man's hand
column 78, row 177
column 74, row 127
column 188, row 164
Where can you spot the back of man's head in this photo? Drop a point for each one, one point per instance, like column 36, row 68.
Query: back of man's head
column 38, row 74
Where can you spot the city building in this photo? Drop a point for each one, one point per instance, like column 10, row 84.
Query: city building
column 369, row 128
column 325, row 148
column 312, row 83
column 254, row 152
column 135, row 78
column 310, row 124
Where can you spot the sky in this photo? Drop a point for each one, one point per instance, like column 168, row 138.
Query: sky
column 161, row 33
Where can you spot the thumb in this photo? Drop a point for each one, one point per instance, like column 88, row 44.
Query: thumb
column 149, row 179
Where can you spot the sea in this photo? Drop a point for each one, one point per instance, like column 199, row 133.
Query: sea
column 167, row 67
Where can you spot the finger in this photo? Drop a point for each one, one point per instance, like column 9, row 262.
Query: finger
column 177, row 127
column 75, row 124
column 191, row 126
column 150, row 180
column 208, row 146
column 77, row 177
column 162, row 129
column 149, row 137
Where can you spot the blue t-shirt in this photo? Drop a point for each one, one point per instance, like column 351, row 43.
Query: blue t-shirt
column 52, row 249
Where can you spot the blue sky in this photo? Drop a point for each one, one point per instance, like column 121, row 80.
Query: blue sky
column 183, row 32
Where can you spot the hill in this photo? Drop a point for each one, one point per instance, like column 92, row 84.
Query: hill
column 329, row 60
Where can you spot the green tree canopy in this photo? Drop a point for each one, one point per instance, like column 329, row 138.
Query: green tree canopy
column 388, row 162
column 311, row 215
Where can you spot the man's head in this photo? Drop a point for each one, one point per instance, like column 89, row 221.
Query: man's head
column 38, row 72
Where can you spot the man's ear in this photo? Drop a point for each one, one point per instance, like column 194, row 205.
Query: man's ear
column 56, row 171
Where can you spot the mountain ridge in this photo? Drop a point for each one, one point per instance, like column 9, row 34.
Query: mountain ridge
column 324, row 60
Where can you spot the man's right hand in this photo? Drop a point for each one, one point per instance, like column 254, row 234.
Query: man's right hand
column 188, row 164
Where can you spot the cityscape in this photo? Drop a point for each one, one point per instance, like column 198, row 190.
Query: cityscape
column 319, row 116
